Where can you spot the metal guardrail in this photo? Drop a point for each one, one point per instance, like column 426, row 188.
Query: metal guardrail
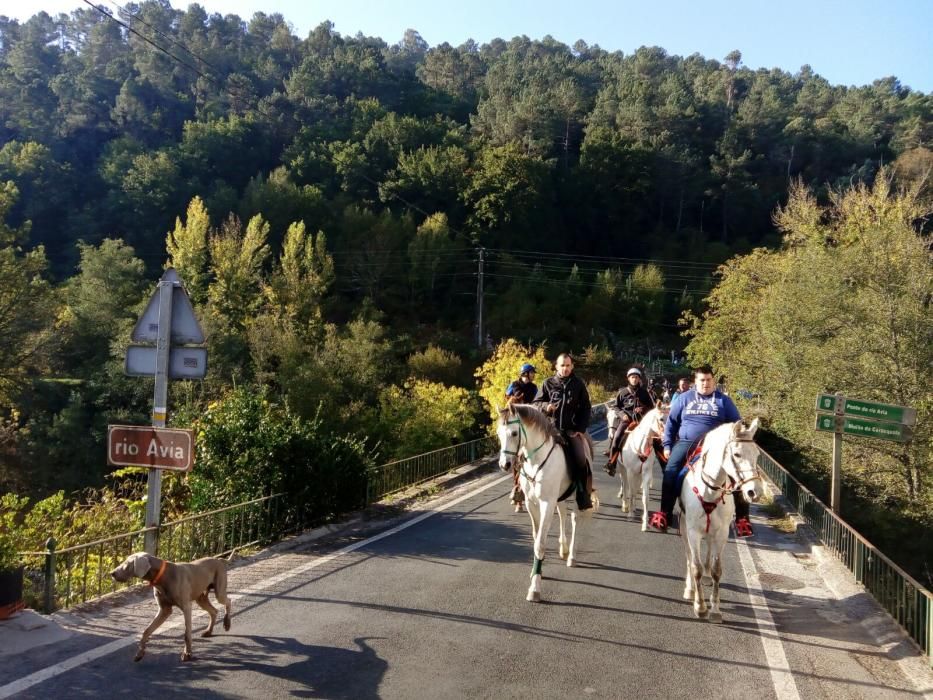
column 65, row 577
column 403, row 473
column 906, row 600
column 82, row 572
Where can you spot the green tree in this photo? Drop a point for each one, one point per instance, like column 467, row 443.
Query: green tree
column 425, row 416
column 27, row 306
column 501, row 369
column 187, row 250
column 842, row 306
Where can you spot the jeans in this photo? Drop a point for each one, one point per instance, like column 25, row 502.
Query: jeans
column 675, row 463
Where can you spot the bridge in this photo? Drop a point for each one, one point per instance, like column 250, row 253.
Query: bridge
column 430, row 603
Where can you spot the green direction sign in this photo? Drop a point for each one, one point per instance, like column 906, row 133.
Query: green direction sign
column 828, row 422
column 867, row 409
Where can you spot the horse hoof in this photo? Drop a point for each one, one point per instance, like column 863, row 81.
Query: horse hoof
column 644, row 527
column 701, row 614
column 571, row 562
column 688, row 594
column 715, row 617
column 624, row 508
column 562, row 554
column 533, row 597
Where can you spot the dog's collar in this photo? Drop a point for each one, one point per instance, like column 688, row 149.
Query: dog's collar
column 158, row 576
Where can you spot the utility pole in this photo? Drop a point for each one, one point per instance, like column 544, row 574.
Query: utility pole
column 479, row 302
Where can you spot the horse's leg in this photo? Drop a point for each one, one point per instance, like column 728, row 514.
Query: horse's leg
column 717, row 543
column 696, row 569
column 645, row 494
column 532, row 507
column 715, row 614
column 689, row 588
column 545, row 511
column 620, row 465
column 563, row 550
column 574, row 521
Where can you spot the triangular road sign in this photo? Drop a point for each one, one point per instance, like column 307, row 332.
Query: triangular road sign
column 185, row 327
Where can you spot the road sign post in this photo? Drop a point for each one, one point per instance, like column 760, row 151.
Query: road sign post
column 864, row 419
column 158, row 323
column 159, row 412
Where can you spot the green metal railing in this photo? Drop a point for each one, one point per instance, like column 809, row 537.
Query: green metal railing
column 403, row 473
column 82, row 572
column 61, row 578
column 908, row 602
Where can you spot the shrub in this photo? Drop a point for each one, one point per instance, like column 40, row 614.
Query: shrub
column 249, row 447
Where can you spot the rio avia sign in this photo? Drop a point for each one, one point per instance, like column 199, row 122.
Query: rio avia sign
column 142, row 446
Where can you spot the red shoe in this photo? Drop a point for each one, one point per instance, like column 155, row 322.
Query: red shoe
column 743, row 528
column 658, row 521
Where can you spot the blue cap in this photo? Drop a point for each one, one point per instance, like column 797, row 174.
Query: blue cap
column 528, row 368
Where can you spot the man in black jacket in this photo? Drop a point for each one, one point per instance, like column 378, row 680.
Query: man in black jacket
column 633, row 402
column 565, row 399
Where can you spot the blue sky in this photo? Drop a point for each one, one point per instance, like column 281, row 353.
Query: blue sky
column 850, row 42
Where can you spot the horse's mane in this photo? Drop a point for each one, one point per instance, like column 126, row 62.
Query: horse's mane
column 535, row 418
column 721, row 434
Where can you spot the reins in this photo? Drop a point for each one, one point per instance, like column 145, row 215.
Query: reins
column 728, row 486
column 523, row 437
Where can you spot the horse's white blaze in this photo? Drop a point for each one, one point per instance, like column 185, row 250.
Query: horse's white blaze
column 633, row 471
column 728, row 454
column 543, row 478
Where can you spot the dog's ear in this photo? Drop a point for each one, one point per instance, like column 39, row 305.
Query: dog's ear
column 141, row 564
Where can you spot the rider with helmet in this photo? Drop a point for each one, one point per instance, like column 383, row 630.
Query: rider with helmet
column 633, row 401
column 522, row 390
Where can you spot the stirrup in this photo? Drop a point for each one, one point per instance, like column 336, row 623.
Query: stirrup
column 743, row 528
column 658, row 521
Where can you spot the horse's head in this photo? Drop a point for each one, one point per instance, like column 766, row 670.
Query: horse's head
column 740, row 460
column 658, row 416
column 509, row 431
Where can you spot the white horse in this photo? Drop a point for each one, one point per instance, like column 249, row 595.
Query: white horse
column 544, row 478
column 727, row 464
column 638, row 462
column 613, row 416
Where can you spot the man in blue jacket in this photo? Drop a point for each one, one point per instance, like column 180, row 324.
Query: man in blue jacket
column 693, row 415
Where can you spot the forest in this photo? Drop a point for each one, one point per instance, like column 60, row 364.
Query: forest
column 327, row 199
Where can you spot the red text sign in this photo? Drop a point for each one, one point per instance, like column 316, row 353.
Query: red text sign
column 143, row 446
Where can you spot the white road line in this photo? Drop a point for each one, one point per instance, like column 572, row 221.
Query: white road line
column 784, row 686
column 45, row 674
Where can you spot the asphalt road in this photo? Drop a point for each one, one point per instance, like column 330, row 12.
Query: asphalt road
column 437, row 609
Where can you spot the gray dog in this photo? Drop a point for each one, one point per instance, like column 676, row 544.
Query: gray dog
column 178, row 584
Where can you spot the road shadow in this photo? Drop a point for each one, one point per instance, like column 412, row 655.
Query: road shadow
column 299, row 670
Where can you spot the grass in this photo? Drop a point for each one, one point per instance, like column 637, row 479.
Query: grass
column 777, row 518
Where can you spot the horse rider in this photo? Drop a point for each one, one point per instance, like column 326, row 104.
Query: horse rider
column 693, row 415
column 683, row 384
column 565, row 399
column 522, row 390
column 633, row 401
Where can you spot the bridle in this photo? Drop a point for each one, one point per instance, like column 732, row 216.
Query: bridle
column 529, row 453
column 729, row 485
